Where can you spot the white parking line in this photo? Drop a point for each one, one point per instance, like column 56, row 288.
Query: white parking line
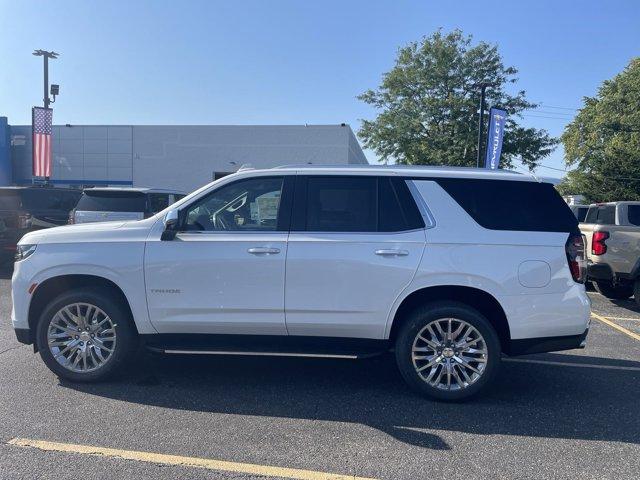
column 571, row 364
column 623, row 318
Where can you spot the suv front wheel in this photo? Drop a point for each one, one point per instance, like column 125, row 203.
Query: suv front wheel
column 448, row 351
column 85, row 335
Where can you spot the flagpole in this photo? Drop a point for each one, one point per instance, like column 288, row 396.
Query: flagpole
column 47, row 101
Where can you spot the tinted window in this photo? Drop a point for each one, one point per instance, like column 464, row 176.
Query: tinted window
column 581, row 214
column 112, row 201
column 9, row 200
column 602, row 215
column 341, row 204
column 246, row 205
column 158, row 202
column 42, row 199
column 633, row 214
column 512, row 205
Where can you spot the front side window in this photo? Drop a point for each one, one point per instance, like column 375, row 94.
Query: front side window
column 246, row 205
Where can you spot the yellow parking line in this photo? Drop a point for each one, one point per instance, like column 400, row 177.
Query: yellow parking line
column 624, row 318
column 616, row 326
column 194, row 462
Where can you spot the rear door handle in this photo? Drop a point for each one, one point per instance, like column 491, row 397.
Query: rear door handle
column 392, row 253
column 263, row 251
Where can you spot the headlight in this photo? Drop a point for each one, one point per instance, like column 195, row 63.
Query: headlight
column 24, row 251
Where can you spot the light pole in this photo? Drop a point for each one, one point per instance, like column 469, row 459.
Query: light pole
column 55, row 89
column 483, row 88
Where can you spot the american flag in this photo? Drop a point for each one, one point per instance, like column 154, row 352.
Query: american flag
column 41, row 121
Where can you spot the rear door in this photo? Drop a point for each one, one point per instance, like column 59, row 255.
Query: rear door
column 356, row 243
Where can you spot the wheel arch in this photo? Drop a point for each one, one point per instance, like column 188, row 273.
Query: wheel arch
column 476, row 298
column 54, row 286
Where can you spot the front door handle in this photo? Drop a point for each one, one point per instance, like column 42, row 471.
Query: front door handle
column 263, row 251
column 391, row 252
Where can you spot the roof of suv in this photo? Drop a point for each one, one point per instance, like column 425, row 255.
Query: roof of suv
column 413, row 171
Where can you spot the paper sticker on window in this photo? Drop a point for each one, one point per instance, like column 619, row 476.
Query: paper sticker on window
column 267, row 207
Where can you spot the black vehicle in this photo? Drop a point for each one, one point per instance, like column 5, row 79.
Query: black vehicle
column 23, row 209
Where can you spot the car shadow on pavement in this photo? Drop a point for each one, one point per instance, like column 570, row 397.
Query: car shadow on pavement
column 529, row 400
column 628, row 304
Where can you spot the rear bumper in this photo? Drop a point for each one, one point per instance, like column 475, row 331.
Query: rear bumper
column 527, row 346
column 599, row 271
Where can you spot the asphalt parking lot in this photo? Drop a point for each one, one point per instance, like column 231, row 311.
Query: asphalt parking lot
column 563, row 415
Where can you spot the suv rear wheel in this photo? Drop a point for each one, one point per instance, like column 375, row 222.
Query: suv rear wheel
column 85, row 335
column 614, row 292
column 448, row 351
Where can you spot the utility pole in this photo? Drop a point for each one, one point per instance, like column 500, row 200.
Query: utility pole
column 54, row 88
column 483, row 88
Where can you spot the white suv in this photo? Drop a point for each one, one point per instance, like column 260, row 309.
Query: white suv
column 450, row 268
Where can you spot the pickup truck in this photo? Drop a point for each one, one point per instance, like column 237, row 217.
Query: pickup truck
column 612, row 232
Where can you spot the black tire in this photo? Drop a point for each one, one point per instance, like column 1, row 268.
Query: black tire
column 614, row 292
column 419, row 319
column 125, row 333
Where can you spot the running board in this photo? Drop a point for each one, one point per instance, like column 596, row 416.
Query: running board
column 265, row 346
column 268, row 354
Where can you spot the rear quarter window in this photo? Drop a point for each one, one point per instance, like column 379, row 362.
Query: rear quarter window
column 113, row 201
column 512, row 205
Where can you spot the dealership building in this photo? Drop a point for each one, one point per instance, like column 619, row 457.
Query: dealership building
column 179, row 157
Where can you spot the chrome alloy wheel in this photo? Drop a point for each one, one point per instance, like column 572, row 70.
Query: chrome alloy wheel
column 81, row 337
column 449, row 354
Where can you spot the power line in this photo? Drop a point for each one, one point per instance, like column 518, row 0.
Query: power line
column 566, row 119
column 542, row 104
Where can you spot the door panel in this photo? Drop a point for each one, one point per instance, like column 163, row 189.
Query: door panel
column 212, row 283
column 342, row 284
column 224, row 272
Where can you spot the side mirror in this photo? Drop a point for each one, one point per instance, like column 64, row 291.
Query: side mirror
column 171, row 222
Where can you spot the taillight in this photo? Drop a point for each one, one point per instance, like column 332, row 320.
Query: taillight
column 576, row 257
column 24, row 220
column 598, row 247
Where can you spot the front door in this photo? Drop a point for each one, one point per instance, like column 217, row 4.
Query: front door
column 224, row 271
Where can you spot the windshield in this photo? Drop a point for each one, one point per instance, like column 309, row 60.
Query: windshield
column 112, row 201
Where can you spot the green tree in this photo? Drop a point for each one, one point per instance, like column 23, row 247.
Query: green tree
column 603, row 141
column 428, row 105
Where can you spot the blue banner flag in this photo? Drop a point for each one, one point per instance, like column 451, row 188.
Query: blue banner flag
column 497, row 119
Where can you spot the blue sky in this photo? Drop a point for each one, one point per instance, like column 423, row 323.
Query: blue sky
column 290, row 62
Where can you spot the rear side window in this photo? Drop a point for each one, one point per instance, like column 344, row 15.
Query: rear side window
column 602, row 215
column 112, row 201
column 633, row 214
column 355, row 204
column 512, row 205
column 341, row 204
